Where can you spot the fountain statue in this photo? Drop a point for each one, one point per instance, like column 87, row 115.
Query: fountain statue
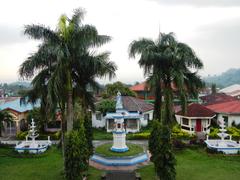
column 119, row 134
column 227, row 146
column 33, row 146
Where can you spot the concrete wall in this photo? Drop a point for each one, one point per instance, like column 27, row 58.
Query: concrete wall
column 98, row 123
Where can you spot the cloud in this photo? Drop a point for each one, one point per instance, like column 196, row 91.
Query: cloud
column 200, row 3
column 218, row 45
column 11, row 35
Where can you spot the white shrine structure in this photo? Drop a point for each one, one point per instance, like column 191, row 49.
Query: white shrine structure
column 119, row 132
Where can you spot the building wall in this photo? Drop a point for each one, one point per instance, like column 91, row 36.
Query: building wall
column 98, row 123
column 231, row 118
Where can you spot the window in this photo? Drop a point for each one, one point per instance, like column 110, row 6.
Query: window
column 225, row 118
column 185, row 121
column 98, row 116
column 146, row 116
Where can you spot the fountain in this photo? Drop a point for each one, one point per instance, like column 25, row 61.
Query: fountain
column 227, row 146
column 34, row 146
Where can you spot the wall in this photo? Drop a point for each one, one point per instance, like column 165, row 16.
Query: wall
column 231, row 118
column 98, row 123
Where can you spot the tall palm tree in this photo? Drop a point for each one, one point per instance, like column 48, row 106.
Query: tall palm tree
column 166, row 61
column 4, row 117
column 69, row 52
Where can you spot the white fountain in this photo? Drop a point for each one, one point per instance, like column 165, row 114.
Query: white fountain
column 227, row 146
column 33, row 146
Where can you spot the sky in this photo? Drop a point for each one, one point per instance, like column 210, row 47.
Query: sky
column 210, row 27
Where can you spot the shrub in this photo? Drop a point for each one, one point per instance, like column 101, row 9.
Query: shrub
column 140, row 136
column 76, row 154
column 178, row 144
column 178, row 133
column 235, row 132
column 213, row 133
column 162, row 156
column 21, row 135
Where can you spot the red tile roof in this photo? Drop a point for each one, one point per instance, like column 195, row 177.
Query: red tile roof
column 216, row 98
column 144, row 87
column 139, row 87
column 231, row 107
column 197, row 110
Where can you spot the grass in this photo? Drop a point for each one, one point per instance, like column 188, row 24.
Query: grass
column 194, row 164
column 46, row 166
column 197, row 165
column 100, row 134
column 105, row 150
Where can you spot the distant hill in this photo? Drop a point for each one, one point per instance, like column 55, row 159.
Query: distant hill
column 230, row 77
column 21, row 83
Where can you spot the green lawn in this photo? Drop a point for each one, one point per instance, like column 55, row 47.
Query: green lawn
column 105, row 150
column 191, row 164
column 48, row 166
column 197, row 165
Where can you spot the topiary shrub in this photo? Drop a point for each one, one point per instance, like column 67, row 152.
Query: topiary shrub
column 76, row 154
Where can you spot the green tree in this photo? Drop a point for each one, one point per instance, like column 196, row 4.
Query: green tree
column 106, row 105
column 68, row 54
column 4, row 117
column 162, row 155
column 165, row 62
column 76, row 154
column 112, row 89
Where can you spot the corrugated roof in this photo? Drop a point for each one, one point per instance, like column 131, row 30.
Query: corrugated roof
column 135, row 104
column 197, row 110
column 231, row 107
column 16, row 106
column 230, row 89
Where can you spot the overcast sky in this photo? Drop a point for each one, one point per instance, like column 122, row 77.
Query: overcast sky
column 210, row 27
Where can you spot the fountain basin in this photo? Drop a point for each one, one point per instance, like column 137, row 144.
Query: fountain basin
column 120, row 161
column 36, row 148
column 226, row 146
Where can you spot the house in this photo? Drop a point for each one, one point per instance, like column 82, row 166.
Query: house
column 229, row 111
column 17, row 110
column 142, row 90
column 196, row 119
column 233, row 90
column 135, row 112
column 216, row 98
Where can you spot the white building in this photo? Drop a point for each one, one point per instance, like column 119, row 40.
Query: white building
column 136, row 113
column 229, row 111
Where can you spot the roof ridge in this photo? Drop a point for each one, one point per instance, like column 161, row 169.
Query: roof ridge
column 132, row 98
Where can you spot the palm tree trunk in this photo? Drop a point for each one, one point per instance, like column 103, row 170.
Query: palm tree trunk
column 158, row 101
column 69, row 103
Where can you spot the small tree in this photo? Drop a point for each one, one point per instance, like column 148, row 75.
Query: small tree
column 4, row 117
column 162, row 155
column 106, row 105
column 76, row 154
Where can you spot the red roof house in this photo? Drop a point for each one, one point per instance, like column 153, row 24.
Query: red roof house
column 197, row 118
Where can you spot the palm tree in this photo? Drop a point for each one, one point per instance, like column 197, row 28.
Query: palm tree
column 4, row 117
column 166, row 61
column 69, row 52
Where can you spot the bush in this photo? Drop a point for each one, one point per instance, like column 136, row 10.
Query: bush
column 139, row 136
column 21, row 135
column 76, row 154
column 213, row 133
column 178, row 144
column 235, row 132
column 178, row 133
